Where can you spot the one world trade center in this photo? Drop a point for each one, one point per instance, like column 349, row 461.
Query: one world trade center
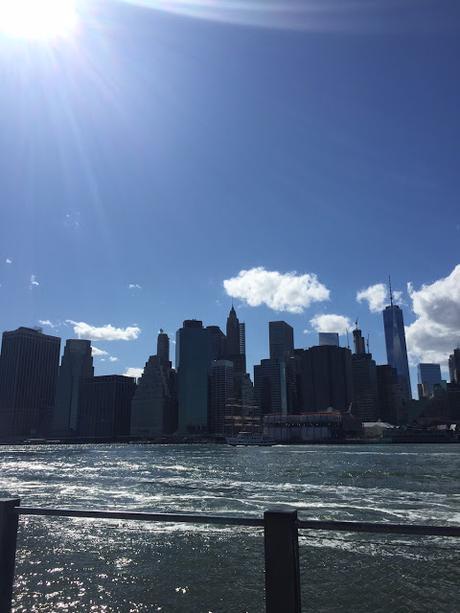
column 395, row 340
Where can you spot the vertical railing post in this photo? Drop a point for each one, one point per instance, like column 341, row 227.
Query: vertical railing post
column 282, row 574
column 8, row 536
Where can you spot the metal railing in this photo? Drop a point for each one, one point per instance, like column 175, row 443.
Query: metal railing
column 280, row 525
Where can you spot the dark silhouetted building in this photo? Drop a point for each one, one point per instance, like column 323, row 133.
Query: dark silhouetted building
column 241, row 411
column 235, row 344
column 326, row 378
column 328, row 338
column 105, row 406
column 442, row 407
column 281, row 340
column 270, row 386
column 193, row 358
column 364, row 370
column 243, row 339
column 218, row 342
column 453, row 401
column 233, row 333
column 76, row 364
column 395, row 341
column 428, row 375
column 392, row 399
column 163, row 348
column 454, row 367
column 358, row 341
column 235, row 352
column 365, row 395
column 221, row 386
column 29, row 364
column 294, row 382
column 153, row 407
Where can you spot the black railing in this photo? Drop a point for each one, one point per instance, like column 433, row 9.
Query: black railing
column 281, row 525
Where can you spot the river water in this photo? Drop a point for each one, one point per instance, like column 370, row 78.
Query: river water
column 113, row 566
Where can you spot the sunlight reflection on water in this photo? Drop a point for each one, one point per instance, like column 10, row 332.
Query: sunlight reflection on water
column 81, row 564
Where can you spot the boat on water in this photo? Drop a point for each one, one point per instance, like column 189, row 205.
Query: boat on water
column 249, row 438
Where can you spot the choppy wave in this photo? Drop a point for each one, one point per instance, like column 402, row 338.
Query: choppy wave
column 76, row 564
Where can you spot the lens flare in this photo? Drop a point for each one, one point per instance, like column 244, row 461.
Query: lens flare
column 37, row 19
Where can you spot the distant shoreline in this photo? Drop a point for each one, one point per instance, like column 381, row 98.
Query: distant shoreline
column 179, row 441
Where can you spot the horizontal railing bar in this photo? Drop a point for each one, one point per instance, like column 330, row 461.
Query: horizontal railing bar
column 382, row 528
column 232, row 520
column 236, row 520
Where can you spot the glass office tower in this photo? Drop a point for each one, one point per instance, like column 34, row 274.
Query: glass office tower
column 395, row 341
column 428, row 375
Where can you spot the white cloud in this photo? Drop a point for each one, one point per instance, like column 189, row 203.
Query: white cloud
column 134, row 286
column 47, row 322
column 436, row 330
column 98, row 353
column 330, row 322
column 33, row 282
column 8, row 261
column 289, row 291
column 104, row 333
column 103, row 355
column 378, row 297
column 133, row 372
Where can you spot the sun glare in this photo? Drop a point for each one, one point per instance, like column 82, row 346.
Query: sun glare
column 37, row 19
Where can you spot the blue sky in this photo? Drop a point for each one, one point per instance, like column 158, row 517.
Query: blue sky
column 172, row 151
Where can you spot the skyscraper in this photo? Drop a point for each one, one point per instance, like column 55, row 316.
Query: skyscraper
column 281, row 340
column 152, row 401
column 392, row 401
column 218, row 342
column 330, row 339
column 364, row 371
column 193, row 358
column 233, row 333
column 395, row 341
column 243, row 339
column 270, row 391
column 76, row 364
column 428, row 375
column 154, row 405
column 29, row 363
column 163, row 347
column 105, row 406
column 358, row 341
column 325, row 378
column 454, row 366
column 235, row 344
column 220, row 394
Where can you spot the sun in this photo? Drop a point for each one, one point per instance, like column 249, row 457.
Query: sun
column 37, row 19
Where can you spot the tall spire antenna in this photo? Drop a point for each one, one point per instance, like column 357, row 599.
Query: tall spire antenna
column 348, row 340
column 391, row 291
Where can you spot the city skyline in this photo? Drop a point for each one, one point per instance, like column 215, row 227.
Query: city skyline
column 209, row 392
column 276, row 331
column 106, row 339
column 202, row 148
